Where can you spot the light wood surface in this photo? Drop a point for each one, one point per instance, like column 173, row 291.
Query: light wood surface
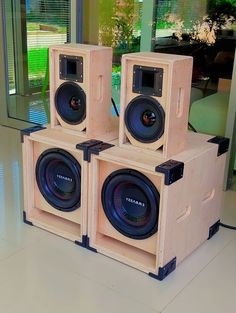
column 71, row 225
column 188, row 207
column 175, row 98
column 97, row 70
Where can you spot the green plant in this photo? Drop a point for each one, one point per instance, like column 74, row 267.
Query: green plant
column 119, row 23
column 39, row 67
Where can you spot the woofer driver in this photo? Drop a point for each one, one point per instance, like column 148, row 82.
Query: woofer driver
column 145, row 119
column 58, row 175
column 70, row 103
column 131, row 203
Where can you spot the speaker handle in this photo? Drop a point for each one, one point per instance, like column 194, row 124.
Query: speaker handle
column 99, row 89
column 180, row 103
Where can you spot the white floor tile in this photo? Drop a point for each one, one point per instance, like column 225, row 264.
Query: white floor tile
column 213, row 290
column 229, row 208
column 126, row 281
column 143, row 288
column 7, row 249
column 43, row 273
column 31, row 282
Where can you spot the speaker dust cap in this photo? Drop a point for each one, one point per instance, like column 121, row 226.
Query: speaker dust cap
column 131, row 203
column 58, row 175
column 145, row 119
column 70, row 103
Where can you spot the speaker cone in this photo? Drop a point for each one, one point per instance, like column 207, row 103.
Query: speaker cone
column 131, row 203
column 58, row 175
column 70, row 102
column 145, row 119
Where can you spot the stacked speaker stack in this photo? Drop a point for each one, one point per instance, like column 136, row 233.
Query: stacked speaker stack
column 146, row 196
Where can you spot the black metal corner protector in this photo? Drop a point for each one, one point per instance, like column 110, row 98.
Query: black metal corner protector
column 28, row 131
column 83, row 242
column 213, row 229
column 163, row 272
column 86, row 145
column 222, row 142
column 172, row 169
column 25, row 219
column 92, row 146
column 87, row 245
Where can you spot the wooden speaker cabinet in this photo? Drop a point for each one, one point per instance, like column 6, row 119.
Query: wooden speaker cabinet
column 80, row 90
column 149, row 214
column 154, row 103
column 55, row 179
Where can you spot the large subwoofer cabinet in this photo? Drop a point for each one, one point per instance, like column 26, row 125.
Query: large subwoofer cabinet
column 55, row 178
column 149, row 213
column 154, row 103
column 80, row 90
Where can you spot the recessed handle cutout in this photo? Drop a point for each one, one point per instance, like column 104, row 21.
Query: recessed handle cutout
column 184, row 214
column 208, row 196
column 180, row 102
column 99, row 88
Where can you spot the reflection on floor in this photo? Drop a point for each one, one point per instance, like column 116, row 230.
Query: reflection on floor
column 41, row 272
column 34, row 108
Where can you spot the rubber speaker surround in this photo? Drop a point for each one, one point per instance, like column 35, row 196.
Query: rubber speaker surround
column 131, row 203
column 145, row 119
column 70, row 103
column 58, row 176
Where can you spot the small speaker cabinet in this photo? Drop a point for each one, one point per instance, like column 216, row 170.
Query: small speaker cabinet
column 151, row 215
column 155, row 95
column 80, row 90
column 55, row 183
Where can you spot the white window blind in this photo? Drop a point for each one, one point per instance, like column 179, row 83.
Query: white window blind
column 10, row 47
column 47, row 23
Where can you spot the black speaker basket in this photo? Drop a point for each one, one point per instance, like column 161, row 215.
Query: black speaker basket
column 58, row 175
column 70, row 103
column 131, row 203
column 145, row 119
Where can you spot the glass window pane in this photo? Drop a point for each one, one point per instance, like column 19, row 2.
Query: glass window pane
column 10, row 50
column 203, row 29
column 31, row 27
column 47, row 23
column 119, row 26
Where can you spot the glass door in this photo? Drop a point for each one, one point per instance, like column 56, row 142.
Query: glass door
column 205, row 30
column 29, row 27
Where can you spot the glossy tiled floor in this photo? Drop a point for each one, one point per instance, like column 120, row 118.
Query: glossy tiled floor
column 42, row 273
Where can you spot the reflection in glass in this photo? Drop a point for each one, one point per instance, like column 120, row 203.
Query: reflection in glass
column 119, row 28
column 31, row 26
